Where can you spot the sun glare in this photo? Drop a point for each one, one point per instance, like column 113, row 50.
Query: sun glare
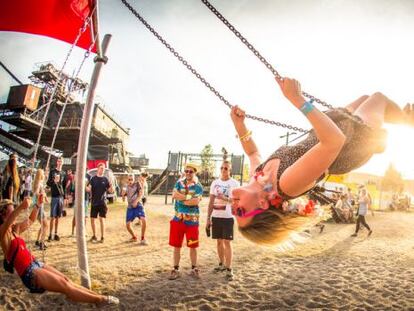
column 400, row 149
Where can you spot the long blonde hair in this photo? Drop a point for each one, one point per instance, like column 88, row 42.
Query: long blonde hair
column 39, row 178
column 272, row 227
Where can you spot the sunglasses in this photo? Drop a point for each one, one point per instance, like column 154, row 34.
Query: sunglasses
column 241, row 212
column 224, row 168
column 189, row 172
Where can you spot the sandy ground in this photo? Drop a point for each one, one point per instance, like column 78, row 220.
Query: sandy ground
column 331, row 271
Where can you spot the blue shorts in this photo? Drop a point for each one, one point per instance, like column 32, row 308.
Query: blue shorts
column 28, row 277
column 56, row 207
column 135, row 212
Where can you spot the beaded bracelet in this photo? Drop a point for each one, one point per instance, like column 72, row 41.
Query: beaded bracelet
column 307, row 107
column 246, row 136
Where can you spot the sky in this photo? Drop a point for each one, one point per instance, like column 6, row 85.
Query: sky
column 338, row 50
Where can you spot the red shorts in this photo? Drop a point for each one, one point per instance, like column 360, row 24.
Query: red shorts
column 177, row 231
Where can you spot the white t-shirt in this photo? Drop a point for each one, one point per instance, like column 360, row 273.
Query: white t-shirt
column 222, row 188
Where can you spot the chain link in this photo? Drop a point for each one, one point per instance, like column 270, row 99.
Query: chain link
column 199, row 76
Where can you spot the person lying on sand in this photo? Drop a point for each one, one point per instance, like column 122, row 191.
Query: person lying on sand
column 35, row 275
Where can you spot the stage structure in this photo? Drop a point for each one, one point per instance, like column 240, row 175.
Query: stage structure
column 25, row 110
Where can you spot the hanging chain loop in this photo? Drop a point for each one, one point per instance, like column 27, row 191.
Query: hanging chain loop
column 199, row 76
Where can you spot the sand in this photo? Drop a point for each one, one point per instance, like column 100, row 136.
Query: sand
column 331, row 271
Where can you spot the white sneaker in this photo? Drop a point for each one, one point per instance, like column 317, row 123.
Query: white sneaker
column 144, row 242
column 109, row 301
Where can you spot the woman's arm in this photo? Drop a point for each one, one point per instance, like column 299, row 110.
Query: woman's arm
column 249, row 146
column 301, row 176
column 22, row 226
column 11, row 219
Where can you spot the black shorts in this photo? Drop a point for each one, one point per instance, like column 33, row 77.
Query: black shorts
column 222, row 228
column 100, row 210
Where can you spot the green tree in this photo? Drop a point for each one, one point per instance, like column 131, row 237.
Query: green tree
column 207, row 163
column 392, row 180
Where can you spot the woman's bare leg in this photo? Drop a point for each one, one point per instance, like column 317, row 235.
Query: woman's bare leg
column 377, row 109
column 355, row 104
column 53, row 282
column 57, row 272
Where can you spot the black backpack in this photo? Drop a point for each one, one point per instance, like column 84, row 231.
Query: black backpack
column 9, row 266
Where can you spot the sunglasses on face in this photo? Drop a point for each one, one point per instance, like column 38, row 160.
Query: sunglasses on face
column 189, row 172
column 241, row 212
column 224, row 168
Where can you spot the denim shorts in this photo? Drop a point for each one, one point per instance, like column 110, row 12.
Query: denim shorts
column 28, row 277
column 56, row 207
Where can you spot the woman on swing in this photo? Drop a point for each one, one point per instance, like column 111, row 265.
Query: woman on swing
column 341, row 140
column 36, row 276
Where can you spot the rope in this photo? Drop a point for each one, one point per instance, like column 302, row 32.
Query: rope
column 199, row 76
column 81, row 31
column 74, row 77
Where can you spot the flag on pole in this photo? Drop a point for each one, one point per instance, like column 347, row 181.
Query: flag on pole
column 59, row 19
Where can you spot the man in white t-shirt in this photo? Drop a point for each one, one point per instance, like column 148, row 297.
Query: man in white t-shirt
column 220, row 217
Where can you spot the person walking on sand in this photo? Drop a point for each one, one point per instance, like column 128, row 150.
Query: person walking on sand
column 98, row 186
column 187, row 194
column 135, row 209
column 35, row 275
column 220, row 218
column 363, row 202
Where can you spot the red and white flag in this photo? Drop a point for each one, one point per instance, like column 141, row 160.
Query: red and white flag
column 59, row 19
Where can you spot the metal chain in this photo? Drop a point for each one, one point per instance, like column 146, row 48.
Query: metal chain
column 267, row 64
column 199, row 76
column 256, row 52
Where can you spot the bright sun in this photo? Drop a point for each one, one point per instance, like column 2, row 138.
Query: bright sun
column 399, row 152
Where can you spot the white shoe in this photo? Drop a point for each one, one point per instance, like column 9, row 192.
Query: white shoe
column 144, row 242
column 109, row 301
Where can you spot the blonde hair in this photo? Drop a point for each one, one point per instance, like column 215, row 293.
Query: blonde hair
column 39, row 178
column 272, row 227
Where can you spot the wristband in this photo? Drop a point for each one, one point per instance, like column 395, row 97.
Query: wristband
column 307, row 107
column 188, row 197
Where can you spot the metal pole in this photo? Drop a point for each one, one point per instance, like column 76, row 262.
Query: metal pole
column 242, row 170
column 287, row 136
column 83, row 143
